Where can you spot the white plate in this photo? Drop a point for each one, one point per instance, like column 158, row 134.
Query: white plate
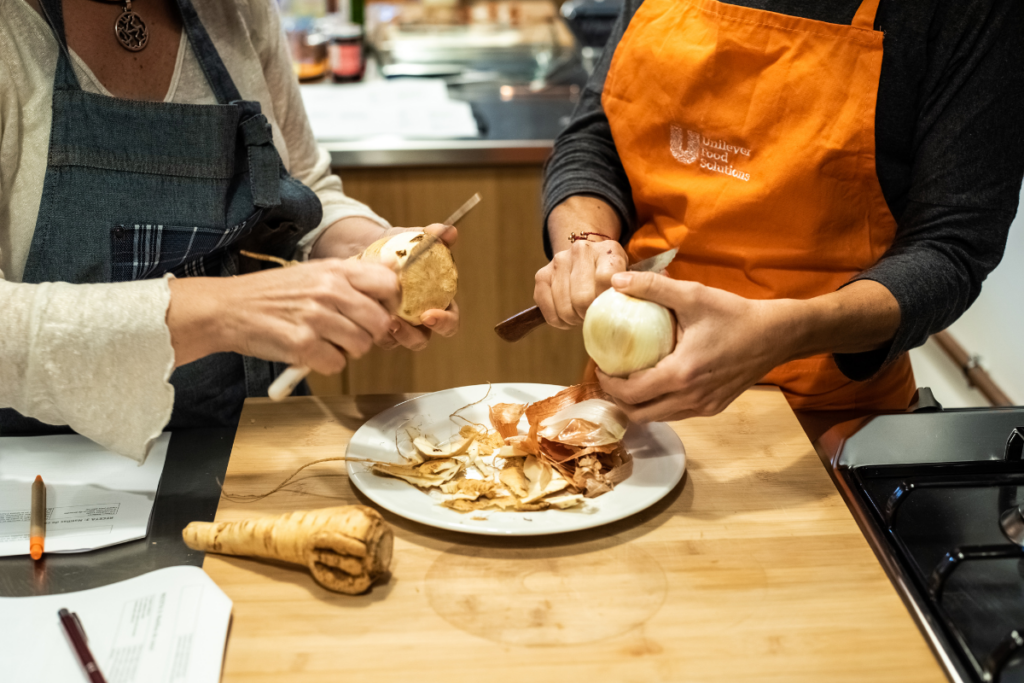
column 658, row 464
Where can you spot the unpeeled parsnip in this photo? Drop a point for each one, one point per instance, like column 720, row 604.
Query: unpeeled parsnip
column 346, row 548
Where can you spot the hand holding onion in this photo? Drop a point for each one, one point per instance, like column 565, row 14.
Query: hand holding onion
column 723, row 345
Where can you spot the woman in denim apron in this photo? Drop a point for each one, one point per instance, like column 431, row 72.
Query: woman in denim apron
column 137, row 189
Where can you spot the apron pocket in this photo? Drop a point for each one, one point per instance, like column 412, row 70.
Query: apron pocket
column 146, row 250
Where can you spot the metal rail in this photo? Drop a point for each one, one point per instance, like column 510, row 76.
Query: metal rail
column 976, row 375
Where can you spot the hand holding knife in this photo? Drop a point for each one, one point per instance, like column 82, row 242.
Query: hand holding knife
column 521, row 324
column 286, row 382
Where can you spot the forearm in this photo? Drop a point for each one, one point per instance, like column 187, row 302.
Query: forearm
column 96, row 357
column 725, row 343
column 347, row 237
column 859, row 317
column 579, row 214
column 584, row 160
column 195, row 317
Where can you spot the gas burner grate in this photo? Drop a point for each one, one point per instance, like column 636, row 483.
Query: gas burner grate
column 999, row 474
column 956, row 523
column 954, row 558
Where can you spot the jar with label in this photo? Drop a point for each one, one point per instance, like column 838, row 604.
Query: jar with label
column 345, row 53
column 307, row 47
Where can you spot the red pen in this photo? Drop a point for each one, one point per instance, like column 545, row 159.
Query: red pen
column 76, row 634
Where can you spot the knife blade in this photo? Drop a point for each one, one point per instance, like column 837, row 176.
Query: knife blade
column 523, row 323
column 285, row 384
column 655, row 264
column 428, row 241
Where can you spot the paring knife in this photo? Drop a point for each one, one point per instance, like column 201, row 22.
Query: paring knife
column 285, row 384
column 525, row 322
column 424, row 245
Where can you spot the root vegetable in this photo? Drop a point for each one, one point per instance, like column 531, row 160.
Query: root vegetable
column 346, row 548
column 431, row 281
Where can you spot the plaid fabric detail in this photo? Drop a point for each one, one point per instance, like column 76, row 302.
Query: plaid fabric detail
column 146, row 250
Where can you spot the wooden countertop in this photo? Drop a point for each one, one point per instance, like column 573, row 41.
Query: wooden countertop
column 752, row 569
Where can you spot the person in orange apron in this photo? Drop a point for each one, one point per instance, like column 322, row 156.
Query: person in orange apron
column 748, row 141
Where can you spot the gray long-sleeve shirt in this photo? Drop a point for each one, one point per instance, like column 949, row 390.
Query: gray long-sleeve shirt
column 949, row 137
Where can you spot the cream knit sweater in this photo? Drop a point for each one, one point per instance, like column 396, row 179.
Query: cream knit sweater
column 98, row 357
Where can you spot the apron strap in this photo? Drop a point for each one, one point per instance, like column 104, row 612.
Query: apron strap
column 64, row 76
column 865, row 16
column 209, row 59
column 264, row 163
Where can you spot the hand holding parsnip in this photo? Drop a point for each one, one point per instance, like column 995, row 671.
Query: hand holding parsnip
column 428, row 284
column 346, row 548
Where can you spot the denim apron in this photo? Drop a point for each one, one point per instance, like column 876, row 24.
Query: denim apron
column 134, row 190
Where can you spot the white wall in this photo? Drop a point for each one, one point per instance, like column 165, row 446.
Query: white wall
column 993, row 328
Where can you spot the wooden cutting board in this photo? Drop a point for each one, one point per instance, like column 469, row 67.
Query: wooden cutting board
column 752, row 569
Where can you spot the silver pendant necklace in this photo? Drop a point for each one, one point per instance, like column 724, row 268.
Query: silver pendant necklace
column 129, row 29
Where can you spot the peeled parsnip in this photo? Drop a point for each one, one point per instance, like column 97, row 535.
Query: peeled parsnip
column 431, row 281
column 346, row 548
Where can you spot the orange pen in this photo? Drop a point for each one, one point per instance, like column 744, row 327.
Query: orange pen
column 38, row 529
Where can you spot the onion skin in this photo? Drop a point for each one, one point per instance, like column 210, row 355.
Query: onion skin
column 624, row 334
column 594, row 422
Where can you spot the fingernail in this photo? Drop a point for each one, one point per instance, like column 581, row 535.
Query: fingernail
column 622, row 279
column 429, row 321
column 395, row 327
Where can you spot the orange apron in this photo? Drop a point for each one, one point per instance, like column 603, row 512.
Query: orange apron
column 749, row 141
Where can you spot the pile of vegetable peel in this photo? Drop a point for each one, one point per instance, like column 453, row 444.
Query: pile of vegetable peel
column 572, row 451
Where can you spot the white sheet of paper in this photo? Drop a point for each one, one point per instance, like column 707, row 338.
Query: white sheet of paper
column 165, row 626
column 94, row 498
column 403, row 108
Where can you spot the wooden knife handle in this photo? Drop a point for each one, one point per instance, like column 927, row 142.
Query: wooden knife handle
column 520, row 325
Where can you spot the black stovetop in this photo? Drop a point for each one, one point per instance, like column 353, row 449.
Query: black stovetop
column 929, row 489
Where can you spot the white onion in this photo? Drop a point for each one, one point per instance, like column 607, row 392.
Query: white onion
column 624, row 334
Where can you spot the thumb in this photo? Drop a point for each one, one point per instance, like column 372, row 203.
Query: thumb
column 446, row 233
column 389, row 260
column 650, row 287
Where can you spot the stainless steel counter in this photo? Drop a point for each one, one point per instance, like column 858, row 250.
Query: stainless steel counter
column 518, row 131
column 371, row 153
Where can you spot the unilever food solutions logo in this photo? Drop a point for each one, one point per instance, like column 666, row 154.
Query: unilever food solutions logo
column 689, row 146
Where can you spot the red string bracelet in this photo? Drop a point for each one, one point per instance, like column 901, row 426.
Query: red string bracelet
column 573, row 237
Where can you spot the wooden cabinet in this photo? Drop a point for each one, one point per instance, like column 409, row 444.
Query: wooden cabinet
column 498, row 252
